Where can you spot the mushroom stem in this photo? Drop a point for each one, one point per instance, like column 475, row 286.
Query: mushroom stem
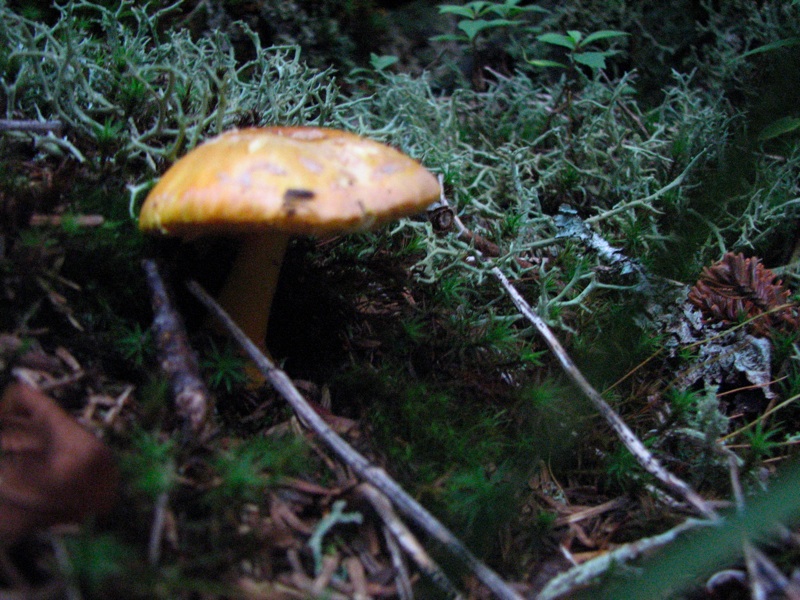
column 248, row 292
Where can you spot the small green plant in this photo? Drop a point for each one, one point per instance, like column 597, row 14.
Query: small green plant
column 135, row 344
column 622, row 468
column 481, row 16
column 150, row 466
column 250, row 467
column 94, row 560
column 481, row 503
column 578, row 53
column 224, row 367
column 761, row 440
column 378, row 63
column 682, row 401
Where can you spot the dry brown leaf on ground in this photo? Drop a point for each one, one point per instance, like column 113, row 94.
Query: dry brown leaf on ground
column 52, row 470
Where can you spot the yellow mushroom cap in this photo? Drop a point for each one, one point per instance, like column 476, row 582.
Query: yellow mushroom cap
column 301, row 180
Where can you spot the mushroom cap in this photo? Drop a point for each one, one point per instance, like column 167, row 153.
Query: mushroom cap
column 301, row 180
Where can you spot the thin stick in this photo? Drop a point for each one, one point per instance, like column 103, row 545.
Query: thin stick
column 157, row 529
column 360, row 465
column 31, row 126
column 636, row 447
column 176, row 357
column 404, row 537
column 401, row 577
column 580, row 576
column 38, row 220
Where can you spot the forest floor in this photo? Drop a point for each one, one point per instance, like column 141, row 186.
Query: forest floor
column 576, row 372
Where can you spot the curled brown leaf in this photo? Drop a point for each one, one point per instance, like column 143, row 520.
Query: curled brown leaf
column 52, row 470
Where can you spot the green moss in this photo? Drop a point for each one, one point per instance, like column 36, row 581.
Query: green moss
column 453, row 391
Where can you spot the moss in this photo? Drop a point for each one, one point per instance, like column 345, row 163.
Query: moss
column 449, row 388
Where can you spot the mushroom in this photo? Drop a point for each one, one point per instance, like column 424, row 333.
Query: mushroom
column 267, row 184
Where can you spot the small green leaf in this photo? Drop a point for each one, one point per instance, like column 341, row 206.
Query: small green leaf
column 793, row 41
column 473, row 28
column 379, row 63
column 602, row 35
column 575, row 35
column 479, row 6
column 593, row 60
column 448, row 37
column 511, row 9
column 452, row 9
column 501, row 10
column 541, row 62
column 779, row 127
column 557, row 39
column 533, row 8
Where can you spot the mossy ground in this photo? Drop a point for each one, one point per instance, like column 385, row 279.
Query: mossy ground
column 441, row 381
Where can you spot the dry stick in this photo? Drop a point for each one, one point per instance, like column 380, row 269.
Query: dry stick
column 585, row 574
column 636, row 447
column 31, row 126
column 157, row 529
column 38, row 220
column 360, row 465
column 401, row 577
column 177, row 359
column 403, row 535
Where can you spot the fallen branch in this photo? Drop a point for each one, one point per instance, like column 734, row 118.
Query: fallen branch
column 360, row 465
column 632, row 443
column 31, row 126
column 581, row 576
column 38, row 220
column 177, row 359
column 404, row 537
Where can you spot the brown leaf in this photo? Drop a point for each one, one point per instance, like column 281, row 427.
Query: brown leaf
column 52, row 470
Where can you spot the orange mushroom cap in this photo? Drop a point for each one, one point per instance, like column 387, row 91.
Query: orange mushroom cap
column 270, row 183
column 300, row 180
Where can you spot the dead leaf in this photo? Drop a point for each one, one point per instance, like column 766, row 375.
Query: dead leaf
column 52, row 470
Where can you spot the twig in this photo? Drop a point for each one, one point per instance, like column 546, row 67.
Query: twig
column 360, row 465
column 38, row 220
column 583, row 575
column 401, row 577
column 177, row 359
column 636, row 447
column 399, row 532
column 157, row 529
column 31, row 126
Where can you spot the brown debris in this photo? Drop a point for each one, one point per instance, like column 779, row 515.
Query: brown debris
column 444, row 219
column 177, row 358
column 742, row 288
column 54, row 220
column 53, row 470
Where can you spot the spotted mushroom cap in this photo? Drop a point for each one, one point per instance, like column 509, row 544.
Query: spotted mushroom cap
column 302, row 180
